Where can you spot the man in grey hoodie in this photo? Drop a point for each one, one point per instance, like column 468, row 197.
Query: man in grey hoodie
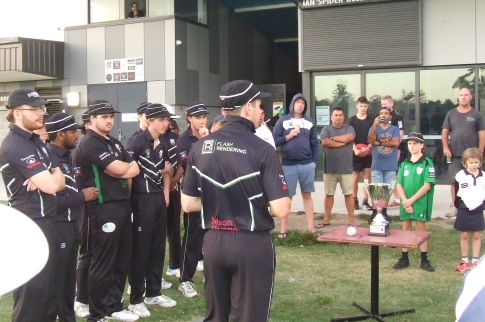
column 297, row 136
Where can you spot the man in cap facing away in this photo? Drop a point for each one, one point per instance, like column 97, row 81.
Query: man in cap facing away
column 233, row 175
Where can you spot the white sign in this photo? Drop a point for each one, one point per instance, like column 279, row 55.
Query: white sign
column 129, row 117
column 124, row 70
column 323, row 115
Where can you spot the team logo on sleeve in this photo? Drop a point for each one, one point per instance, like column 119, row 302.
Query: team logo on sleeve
column 208, row 146
column 29, row 159
column 130, row 153
column 431, row 173
column 464, row 185
column 283, row 181
column 118, row 147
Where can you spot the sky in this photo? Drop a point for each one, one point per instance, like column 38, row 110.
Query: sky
column 40, row 18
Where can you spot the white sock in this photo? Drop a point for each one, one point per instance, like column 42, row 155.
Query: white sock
column 465, row 259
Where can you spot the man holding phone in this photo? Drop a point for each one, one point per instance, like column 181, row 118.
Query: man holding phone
column 385, row 138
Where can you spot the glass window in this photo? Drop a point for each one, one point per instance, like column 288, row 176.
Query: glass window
column 194, row 10
column 105, row 10
column 481, row 89
column 336, row 90
column 401, row 87
column 438, row 95
column 160, row 8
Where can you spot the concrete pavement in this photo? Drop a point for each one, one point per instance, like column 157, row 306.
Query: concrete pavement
column 441, row 203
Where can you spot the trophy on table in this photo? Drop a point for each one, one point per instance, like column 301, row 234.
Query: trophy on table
column 380, row 194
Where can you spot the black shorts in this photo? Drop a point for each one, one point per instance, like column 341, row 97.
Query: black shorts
column 469, row 220
column 361, row 163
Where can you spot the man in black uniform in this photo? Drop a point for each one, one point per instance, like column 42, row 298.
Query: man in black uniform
column 194, row 234
column 149, row 199
column 233, row 176
column 32, row 179
column 169, row 138
column 142, row 120
column 106, row 165
column 62, row 131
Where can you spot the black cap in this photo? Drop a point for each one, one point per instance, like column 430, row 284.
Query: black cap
column 386, row 108
column 196, row 108
column 24, row 96
column 101, row 107
column 140, row 109
column 157, row 110
column 85, row 117
column 238, row 93
column 219, row 118
column 415, row 136
column 61, row 122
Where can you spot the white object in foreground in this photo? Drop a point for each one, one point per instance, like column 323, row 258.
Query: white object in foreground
column 24, row 244
column 351, row 231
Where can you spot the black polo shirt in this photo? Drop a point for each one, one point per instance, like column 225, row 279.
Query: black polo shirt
column 397, row 120
column 184, row 144
column 76, row 166
column 170, row 141
column 133, row 135
column 150, row 160
column 70, row 199
column 23, row 155
column 95, row 154
column 235, row 174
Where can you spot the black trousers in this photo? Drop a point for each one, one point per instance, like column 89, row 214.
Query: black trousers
column 191, row 246
column 149, row 240
column 173, row 229
column 111, row 239
column 239, row 274
column 68, row 246
column 84, row 260
column 36, row 300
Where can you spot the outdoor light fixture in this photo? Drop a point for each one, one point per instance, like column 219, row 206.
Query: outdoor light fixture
column 74, row 99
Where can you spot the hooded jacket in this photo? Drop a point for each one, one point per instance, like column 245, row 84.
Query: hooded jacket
column 303, row 148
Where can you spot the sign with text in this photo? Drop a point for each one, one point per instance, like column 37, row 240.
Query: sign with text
column 323, row 115
column 124, row 70
column 306, row 4
column 3, row 99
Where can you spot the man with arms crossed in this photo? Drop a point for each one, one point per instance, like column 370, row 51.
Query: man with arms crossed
column 362, row 158
column 32, row 180
column 466, row 128
column 233, row 175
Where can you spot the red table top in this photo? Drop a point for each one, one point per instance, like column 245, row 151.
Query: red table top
column 397, row 238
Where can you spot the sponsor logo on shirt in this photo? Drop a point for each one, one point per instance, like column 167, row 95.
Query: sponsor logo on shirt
column 29, row 159
column 118, row 147
column 208, row 146
column 218, row 224
column 33, row 165
column 160, row 154
column 147, row 153
column 419, row 170
column 431, row 173
column 172, row 141
column 183, row 155
column 470, row 119
column 109, row 227
column 464, row 185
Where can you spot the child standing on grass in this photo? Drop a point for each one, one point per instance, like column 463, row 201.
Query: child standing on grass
column 415, row 186
column 470, row 203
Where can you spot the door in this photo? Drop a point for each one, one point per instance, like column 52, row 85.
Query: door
column 124, row 98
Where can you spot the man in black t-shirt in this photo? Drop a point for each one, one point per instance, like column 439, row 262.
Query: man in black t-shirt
column 107, row 166
column 32, row 179
column 135, row 11
column 233, row 175
column 362, row 158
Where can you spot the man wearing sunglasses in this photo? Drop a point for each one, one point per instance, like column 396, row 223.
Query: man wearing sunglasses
column 32, row 180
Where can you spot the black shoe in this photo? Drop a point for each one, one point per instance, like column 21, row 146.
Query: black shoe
column 371, row 219
column 426, row 266
column 401, row 263
column 366, row 206
column 356, row 205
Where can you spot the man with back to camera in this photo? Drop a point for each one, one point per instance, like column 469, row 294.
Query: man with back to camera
column 466, row 128
column 385, row 139
column 362, row 157
column 296, row 135
column 398, row 121
column 135, row 11
column 149, row 200
column 62, row 131
column 233, row 176
column 107, row 166
column 191, row 257
column 337, row 139
column 32, row 180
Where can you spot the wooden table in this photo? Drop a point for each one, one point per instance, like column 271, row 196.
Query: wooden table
column 397, row 238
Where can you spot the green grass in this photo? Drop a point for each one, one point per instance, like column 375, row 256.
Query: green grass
column 329, row 277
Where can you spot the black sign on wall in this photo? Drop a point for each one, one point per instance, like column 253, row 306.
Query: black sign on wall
column 307, row 4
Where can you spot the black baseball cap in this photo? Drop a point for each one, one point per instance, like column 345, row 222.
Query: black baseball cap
column 140, row 109
column 157, row 110
column 219, row 118
column 386, row 108
column 415, row 136
column 196, row 108
column 101, row 107
column 85, row 117
column 24, row 96
column 61, row 122
column 238, row 93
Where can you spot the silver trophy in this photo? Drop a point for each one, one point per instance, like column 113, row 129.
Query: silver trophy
column 380, row 194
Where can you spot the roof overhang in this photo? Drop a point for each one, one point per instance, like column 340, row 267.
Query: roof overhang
column 27, row 59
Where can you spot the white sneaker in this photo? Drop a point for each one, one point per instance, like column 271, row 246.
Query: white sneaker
column 173, row 272
column 200, row 266
column 161, row 300
column 188, row 289
column 139, row 309
column 166, row 285
column 82, row 310
column 124, row 315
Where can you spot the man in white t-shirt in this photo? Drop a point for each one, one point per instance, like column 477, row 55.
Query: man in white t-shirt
column 263, row 131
